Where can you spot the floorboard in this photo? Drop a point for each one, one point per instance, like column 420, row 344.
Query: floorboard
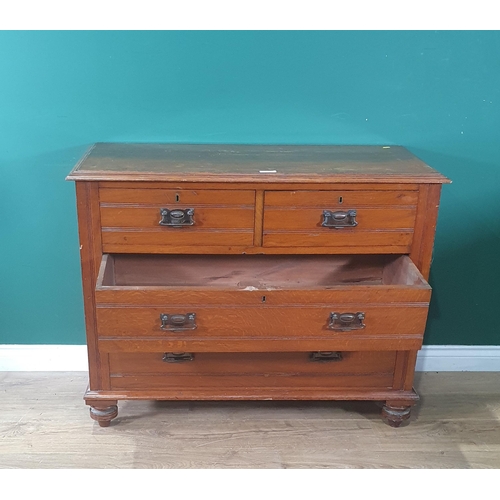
column 45, row 424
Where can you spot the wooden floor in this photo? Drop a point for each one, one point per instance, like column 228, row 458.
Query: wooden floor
column 45, row 424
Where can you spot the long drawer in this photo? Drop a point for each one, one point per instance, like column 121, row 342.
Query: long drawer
column 260, row 303
column 343, row 219
column 153, row 220
column 180, row 373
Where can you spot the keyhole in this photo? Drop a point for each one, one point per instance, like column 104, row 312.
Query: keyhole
column 177, row 197
column 341, row 199
column 263, row 298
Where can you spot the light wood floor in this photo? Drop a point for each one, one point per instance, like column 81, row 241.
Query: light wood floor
column 45, row 424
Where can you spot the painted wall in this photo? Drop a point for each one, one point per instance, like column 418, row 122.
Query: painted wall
column 437, row 93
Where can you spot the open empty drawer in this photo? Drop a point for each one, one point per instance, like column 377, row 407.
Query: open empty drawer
column 230, row 303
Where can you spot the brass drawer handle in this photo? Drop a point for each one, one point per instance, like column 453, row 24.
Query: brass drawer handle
column 346, row 322
column 339, row 220
column 325, row 356
column 178, row 322
column 177, row 217
column 178, row 357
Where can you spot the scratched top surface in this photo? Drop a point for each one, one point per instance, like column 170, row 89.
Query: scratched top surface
column 252, row 163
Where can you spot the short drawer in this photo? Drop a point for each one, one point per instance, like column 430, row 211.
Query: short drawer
column 184, row 372
column 166, row 220
column 260, row 303
column 351, row 221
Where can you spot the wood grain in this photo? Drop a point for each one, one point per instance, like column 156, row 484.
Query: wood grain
column 232, row 185
column 241, row 249
column 272, row 163
column 410, row 370
column 454, row 426
column 256, row 323
column 346, row 240
column 425, row 227
column 259, row 218
column 250, row 394
column 112, row 296
column 399, row 370
column 339, row 198
column 296, row 297
column 310, row 219
column 140, row 217
column 228, row 344
column 258, row 271
column 131, row 217
column 159, row 238
column 87, row 204
column 257, row 372
column 182, row 195
column 278, row 364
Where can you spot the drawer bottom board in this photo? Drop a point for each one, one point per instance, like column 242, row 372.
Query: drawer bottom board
column 224, row 373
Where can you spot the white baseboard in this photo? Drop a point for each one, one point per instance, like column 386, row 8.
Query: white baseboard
column 458, row 358
column 43, row 358
column 57, row 358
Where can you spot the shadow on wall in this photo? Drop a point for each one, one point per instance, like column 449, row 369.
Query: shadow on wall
column 465, row 271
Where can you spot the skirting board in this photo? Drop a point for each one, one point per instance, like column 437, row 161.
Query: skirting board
column 451, row 358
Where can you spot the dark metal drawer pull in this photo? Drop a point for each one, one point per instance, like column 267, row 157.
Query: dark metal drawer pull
column 178, row 322
column 346, row 322
column 325, row 356
column 178, row 357
column 339, row 220
column 177, row 218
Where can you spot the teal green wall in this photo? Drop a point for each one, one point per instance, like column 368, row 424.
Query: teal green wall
column 437, row 93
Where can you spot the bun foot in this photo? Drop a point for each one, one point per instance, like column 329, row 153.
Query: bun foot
column 395, row 415
column 103, row 414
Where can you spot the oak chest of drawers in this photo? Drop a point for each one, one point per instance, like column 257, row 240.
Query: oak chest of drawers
column 215, row 272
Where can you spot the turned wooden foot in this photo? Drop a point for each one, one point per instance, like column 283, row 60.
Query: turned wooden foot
column 104, row 413
column 395, row 415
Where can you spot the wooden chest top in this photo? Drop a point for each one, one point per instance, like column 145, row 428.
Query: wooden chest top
column 253, row 163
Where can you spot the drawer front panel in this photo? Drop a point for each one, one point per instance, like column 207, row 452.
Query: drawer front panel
column 260, row 323
column 391, row 242
column 307, row 219
column 156, row 241
column 296, row 218
column 177, row 196
column 340, row 199
column 204, row 218
column 131, row 218
column 367, row 369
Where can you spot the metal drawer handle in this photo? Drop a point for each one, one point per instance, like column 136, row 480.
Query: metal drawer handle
column 325, row 356
column 178, row 357
column 177, row 217
column 178, row 322
column 346, row 322
column 338, row 220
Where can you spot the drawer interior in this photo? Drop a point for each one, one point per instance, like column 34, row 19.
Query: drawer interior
column 257, row 272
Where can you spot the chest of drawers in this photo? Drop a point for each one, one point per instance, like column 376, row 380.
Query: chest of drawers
column 215, row 272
